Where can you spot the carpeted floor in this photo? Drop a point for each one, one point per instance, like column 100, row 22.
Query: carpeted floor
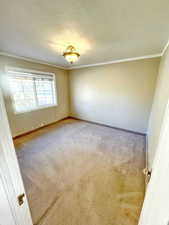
column 78, row 173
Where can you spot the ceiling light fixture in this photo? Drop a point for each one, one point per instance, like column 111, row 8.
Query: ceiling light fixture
column 71, row 55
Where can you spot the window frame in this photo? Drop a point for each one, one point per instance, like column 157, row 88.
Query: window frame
column 18, row 69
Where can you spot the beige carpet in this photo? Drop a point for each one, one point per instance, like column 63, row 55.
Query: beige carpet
column 78, row 173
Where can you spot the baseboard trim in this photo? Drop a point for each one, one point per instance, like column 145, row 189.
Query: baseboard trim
column 87, row 121
column 38, row 128
column 101, row 124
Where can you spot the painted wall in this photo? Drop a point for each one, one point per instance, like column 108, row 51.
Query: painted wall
column 21, row 123
column 159, row 105
column 119, row 94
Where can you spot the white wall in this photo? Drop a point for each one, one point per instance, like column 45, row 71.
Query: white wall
column 119, row 94
column 21, row 123
column 159, row 105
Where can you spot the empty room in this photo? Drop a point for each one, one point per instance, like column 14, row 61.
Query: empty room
column 84, row 105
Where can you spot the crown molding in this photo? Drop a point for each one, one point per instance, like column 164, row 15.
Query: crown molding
column 31, row 60
column 83, row 66
column 116, row 61
column 165, row 48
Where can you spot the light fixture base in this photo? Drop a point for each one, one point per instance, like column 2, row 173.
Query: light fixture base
column 71, row 55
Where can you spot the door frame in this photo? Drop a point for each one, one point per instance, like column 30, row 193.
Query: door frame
column 10, row 174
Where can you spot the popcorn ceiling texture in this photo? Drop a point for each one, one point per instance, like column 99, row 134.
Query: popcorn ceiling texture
column 78, row 173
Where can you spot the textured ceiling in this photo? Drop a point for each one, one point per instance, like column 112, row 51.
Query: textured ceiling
column 102, row 30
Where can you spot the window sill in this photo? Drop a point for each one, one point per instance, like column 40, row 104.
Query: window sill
column 36, row 109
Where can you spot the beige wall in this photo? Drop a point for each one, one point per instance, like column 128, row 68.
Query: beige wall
column 119, row 94
column 24, row 122
column 159, row 105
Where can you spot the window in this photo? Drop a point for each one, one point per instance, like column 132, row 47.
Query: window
column 31, row 90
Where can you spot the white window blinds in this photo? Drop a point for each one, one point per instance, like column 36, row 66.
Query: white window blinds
column 31, row 91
